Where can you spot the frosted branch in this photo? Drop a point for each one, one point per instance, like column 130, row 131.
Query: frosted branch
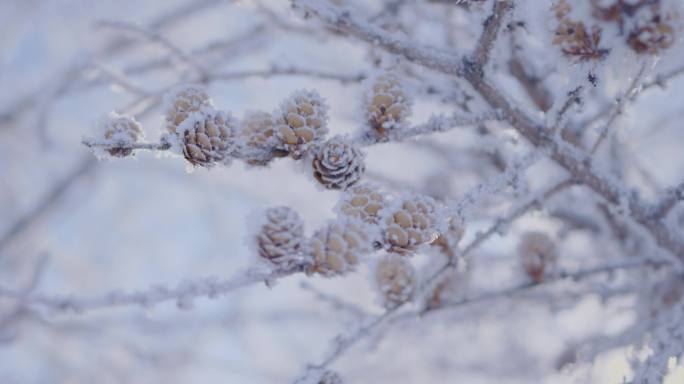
column 671, row 198
column 492, row 26
column 157, row 38
column 578, row 164
column 183, row 294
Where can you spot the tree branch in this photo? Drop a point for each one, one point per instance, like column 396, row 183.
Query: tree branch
column 182, row 294
column 492, row 26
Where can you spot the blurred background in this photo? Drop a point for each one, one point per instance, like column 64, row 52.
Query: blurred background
column 73, row 225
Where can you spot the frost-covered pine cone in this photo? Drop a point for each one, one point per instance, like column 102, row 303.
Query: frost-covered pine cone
column 362, row 202
column 387, row 104
column 207, row 137
column 260, row 142
column 410, row 222
column 281, row 236
column 338, row 247
column 182, row 101
column 538, row 254
column 395, row 279
column 338, row 164
column 305, row 122
column 121, row 131
column 652, row 36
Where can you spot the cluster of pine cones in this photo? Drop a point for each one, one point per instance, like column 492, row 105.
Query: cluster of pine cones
column 644, row 25
column 371, row 220
column 207, row 136
column 368, row 220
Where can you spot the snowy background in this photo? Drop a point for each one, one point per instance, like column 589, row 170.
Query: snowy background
column 72, row 225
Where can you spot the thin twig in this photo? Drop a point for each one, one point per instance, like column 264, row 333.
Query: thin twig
column 632, row 90
column 163, row 146
column 182, row 294
column 291, row 71
column 155, row 36
column 670, row 199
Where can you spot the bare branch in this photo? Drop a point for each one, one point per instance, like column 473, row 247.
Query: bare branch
column 161, row 40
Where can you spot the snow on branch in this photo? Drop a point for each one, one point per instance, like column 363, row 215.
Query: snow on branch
column 182, row 294
column 345, row 21
column 576, row 163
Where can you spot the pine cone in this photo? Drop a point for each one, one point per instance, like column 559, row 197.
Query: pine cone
column 388, row 106
column 180, row 102
column 362, row 202
column 207, row 137
column 281, row 236
column 305, row 118
column 260, row 140
column 338, row 165
column 411, row 223
column 121, row 131
column 338, row 247
column 395, row 278
column 538, row 254
column 651, row 37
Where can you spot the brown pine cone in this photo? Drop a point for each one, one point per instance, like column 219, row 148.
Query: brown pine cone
column 538, row 254
column 207, row 137
column 305, row 119
column 411, row 222
column 121, row 130
column 651, row 37
column 388, row 106
column 260, row 140
column 362, row 202
column 182, row 101
column 281, row 236
column 337, row 248
column 338, row 165
column 395, row 279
